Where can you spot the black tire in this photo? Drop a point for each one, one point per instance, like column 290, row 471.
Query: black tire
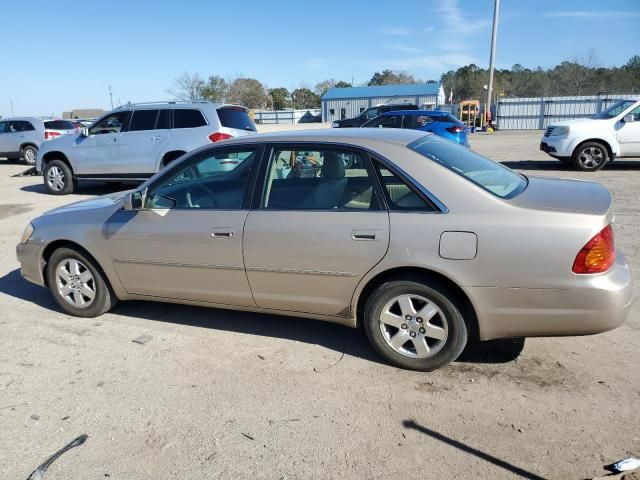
column 66, row 176
column 446, row 350
column 29, row 154
column 590, row 157
column 104, row 298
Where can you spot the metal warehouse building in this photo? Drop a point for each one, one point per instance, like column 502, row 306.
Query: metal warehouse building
column 339, row 103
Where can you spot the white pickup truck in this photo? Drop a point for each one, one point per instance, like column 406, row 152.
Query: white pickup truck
column 589, row 144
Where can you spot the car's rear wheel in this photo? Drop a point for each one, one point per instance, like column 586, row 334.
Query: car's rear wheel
column 590, row 157
column 77, row 284
column 58, row 178
column 29, row 154
column 415, row 326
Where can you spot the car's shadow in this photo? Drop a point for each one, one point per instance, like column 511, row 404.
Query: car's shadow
column 336, row 337
column 86, row 188
column 556, row 165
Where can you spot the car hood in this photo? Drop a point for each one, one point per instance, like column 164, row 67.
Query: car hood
column 104, row 201
column 577, row 121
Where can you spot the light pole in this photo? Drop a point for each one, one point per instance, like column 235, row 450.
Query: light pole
column 492, row 59
column 111, row 97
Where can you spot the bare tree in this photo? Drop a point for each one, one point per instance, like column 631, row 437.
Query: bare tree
column 187, row 87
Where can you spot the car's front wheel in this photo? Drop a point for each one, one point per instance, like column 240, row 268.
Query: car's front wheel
column 29, row 154
column 58, row 178
column 590, row 157
column 414, row 325
column 77, row 284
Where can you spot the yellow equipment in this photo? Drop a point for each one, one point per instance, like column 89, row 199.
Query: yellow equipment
column 469, row 112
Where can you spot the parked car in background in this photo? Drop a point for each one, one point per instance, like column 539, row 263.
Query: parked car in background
column 135, row 141
column 370, row 113
column 20, row 137
column 439, row 122
column 418, row 239
column 589, row 144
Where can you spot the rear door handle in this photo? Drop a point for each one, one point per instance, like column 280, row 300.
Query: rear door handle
column 153, row 139
column 223, row 232
column 363, row 234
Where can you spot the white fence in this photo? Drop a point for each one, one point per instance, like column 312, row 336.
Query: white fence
column 286, row 116
column 539, row 112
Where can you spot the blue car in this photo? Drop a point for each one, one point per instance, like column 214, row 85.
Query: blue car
column 436, row 121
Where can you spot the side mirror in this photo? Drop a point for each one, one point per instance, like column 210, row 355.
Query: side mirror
column 84, row 131
column 135, row 200
column 627, row 118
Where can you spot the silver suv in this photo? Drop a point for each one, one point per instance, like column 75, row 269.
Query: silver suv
column 137, row 140
column 21, row 137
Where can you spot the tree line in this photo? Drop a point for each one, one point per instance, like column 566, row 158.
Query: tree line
column 579, row 76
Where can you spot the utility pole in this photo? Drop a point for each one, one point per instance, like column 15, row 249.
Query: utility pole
column 492, row 59
column 111, row 97
column 13, row 114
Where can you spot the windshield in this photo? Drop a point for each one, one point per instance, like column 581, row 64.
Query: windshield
column 494, row 177
column 614, row 110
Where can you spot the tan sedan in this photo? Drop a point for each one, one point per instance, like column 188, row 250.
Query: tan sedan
column 424, row 242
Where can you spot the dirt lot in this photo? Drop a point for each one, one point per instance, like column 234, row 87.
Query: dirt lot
column 218, row 394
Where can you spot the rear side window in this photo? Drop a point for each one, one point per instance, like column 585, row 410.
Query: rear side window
column 493, row 177
column 143, row 120
column 59, row 125
column 164, row 120
column 232, row 117
column 401, row 196
column 416, row 121
column 186, row 118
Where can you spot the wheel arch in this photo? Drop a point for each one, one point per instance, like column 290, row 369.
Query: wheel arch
column 63, row 243
column 28, row 144
column 423, row 275
column 55, row 155
column 170, row 156
column 606, row 143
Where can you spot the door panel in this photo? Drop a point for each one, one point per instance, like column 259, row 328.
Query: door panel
column 181, row 254
column 629, row 135
column 140, row 151
column 309, row 261
column 96, row 154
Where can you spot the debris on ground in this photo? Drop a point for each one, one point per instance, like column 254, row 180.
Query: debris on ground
column 248, row 436
column 29, row 172
column 35, row 417
column 627, row 464
column 142, row 339
column 38, row 473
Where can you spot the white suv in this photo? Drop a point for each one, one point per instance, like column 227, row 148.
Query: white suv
column 135, row 141
column 588, row 144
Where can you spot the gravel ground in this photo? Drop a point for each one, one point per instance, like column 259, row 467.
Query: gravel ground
column 228, row 395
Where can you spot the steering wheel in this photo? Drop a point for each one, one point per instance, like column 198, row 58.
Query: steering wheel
column 204, row 188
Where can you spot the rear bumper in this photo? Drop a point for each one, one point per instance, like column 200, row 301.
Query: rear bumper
column 595, row 304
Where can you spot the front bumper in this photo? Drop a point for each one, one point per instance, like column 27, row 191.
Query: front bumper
column 557, row 146
column 597, row 303
column 31, row 262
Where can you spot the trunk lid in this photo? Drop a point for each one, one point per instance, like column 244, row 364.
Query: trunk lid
column 562, row 195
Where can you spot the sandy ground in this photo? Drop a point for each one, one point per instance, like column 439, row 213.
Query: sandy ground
column 224, row 395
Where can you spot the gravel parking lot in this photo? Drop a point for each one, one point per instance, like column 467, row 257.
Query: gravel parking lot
column 229, row 395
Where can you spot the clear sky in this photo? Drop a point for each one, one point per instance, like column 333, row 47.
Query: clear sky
column 59, row 56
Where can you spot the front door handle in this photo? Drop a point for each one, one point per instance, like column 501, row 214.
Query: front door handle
column 363, row 234
column 223, row 232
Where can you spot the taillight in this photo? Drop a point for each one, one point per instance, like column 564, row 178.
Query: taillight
column 216, row 137
column 50, row 135
column 455, row 129
column 598, row 255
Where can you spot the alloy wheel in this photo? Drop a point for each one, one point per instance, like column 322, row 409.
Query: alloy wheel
column 75, row 283
column 591, row 157
column 55, row 178
column 30, row 156
column 414, row 326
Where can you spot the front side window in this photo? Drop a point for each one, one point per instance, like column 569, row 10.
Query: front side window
column 188, row 118
column 614, row 110
column 416, row 121
column 143, row 120
column 318, row 179
column 494, row 177
column 387, row 121
column 210, row 181
column 371, row 113
column 635, row 112
column 113, row 123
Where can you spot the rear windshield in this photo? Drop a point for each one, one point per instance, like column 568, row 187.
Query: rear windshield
column 59, row 125
column 447, row 118
column 497, row 179
column 236, row 118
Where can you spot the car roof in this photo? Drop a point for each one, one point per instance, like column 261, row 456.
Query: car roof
column 30, row 119
column 171, row 104
column 356, row 136
column 432, row 113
